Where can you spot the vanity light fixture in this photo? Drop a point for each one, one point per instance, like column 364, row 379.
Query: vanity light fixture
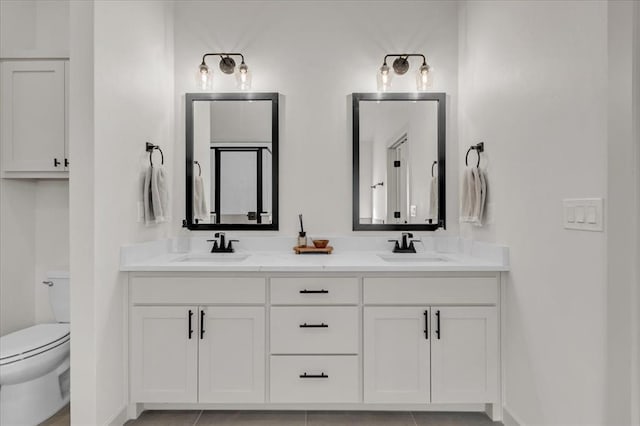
column 204, row 76
column 401, row 66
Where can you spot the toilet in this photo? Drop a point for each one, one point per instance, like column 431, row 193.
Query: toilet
column 34, row 363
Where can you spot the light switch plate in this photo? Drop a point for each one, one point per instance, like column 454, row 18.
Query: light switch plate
column 584, row 214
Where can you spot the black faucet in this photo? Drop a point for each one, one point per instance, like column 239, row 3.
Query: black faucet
column 407, row 246
column 220, row 247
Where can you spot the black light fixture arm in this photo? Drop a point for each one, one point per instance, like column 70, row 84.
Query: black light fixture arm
column 222, row 56
column 405, row 56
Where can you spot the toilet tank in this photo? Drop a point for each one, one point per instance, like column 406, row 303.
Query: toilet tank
column 59, row 295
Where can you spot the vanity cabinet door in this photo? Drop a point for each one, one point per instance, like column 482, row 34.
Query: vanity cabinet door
column 396, row 355
column 33, row 116
column 231, row 354
column 164, row 354
column 464, row 354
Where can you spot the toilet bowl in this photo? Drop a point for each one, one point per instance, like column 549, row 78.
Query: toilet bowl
column 34, row 364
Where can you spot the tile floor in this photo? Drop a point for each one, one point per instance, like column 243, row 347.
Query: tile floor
column 295, row 418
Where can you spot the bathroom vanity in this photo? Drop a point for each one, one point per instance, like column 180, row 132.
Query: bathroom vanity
column 357, row 330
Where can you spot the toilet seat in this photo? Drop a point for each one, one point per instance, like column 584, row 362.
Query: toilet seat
column 32, row 341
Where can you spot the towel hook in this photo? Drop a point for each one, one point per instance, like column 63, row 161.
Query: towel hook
column 199, row 168
column 149, row 148
column 432, row 166
column 478, row 148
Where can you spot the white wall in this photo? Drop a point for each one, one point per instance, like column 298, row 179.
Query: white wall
column 129, row 73
column 34, row 28
column 316, row 53
column 17, row 255
column 623, row 184
column 533, row 86
column 35, row 214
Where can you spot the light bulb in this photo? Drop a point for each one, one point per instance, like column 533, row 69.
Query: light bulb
column 204, row 77
column 384, row 78
column 243, row 77
column 423, row 78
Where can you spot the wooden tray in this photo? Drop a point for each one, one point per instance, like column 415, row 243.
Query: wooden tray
column 313, row 250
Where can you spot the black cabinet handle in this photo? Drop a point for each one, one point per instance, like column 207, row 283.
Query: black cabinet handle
column 438, row 324
column 305, row 291
column 190, row 328
column 314, row 376
column 321, row 325
column 56, row 163
column 201, row 324
column 66, row 162
column 426, row 325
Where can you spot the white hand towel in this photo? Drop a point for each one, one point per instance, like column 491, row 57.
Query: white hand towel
column 147, row 205
column 200, row 210
column 477, row 199
column 483, row 198
column 467, row 196
column 159, row 194
column 433, row 200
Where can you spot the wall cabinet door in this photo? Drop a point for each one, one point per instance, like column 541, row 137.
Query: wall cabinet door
column 464, row 354
column 396, row 355
column 33, row 116
column 164, row 354
column 232, row 354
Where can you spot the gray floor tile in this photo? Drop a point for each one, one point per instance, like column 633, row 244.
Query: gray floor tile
column 61, row 418
column 166, row 418
column 250, row 418
column 368, row 418
column 426, row 418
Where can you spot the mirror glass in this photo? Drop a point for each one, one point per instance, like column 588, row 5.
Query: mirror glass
column 398, row 161
column 232, row 150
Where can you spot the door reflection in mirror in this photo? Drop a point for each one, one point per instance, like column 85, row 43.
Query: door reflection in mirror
column 233, row 142
column 398, row 144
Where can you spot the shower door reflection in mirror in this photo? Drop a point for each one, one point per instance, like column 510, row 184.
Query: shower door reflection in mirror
column 233, row 160
column 399, row 159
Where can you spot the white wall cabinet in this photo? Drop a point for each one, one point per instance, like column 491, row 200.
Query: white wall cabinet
column 197, row 354
column 33, row 117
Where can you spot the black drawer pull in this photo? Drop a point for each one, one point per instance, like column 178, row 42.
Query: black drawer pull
column 190, row 329
column 314, row 376
column 56, row 163
column 438, row 324
column 305, row 291
column 426, row 325
column 321, row 325
column 201, row 324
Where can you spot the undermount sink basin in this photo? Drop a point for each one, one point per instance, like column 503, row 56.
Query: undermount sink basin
column 213, row 257
column 412, row 258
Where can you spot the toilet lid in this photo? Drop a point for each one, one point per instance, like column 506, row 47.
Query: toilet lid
column 33, row 340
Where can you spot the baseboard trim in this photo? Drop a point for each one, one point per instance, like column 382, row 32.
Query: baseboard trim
column 318, row 406
column 119, row 419
column 508, row 419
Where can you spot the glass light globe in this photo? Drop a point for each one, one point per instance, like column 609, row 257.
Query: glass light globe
column 423, row 77
column 204, row 77
column 243, row 77
column 384, row 78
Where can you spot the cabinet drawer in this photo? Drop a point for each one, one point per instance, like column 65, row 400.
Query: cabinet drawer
column 338, row 381
column 314, row 291
column 315, row 330
column 198, row 290
column 431, row 290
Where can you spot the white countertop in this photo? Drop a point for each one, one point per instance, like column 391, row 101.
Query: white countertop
column 351, row 254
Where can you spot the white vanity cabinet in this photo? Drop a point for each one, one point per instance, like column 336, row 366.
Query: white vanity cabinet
column 313, row 340
column 209, row 351
column 33, row 134
column 436, row 340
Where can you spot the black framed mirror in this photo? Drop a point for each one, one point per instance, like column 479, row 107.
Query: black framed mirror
column 231, row 161
column 399, row 147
